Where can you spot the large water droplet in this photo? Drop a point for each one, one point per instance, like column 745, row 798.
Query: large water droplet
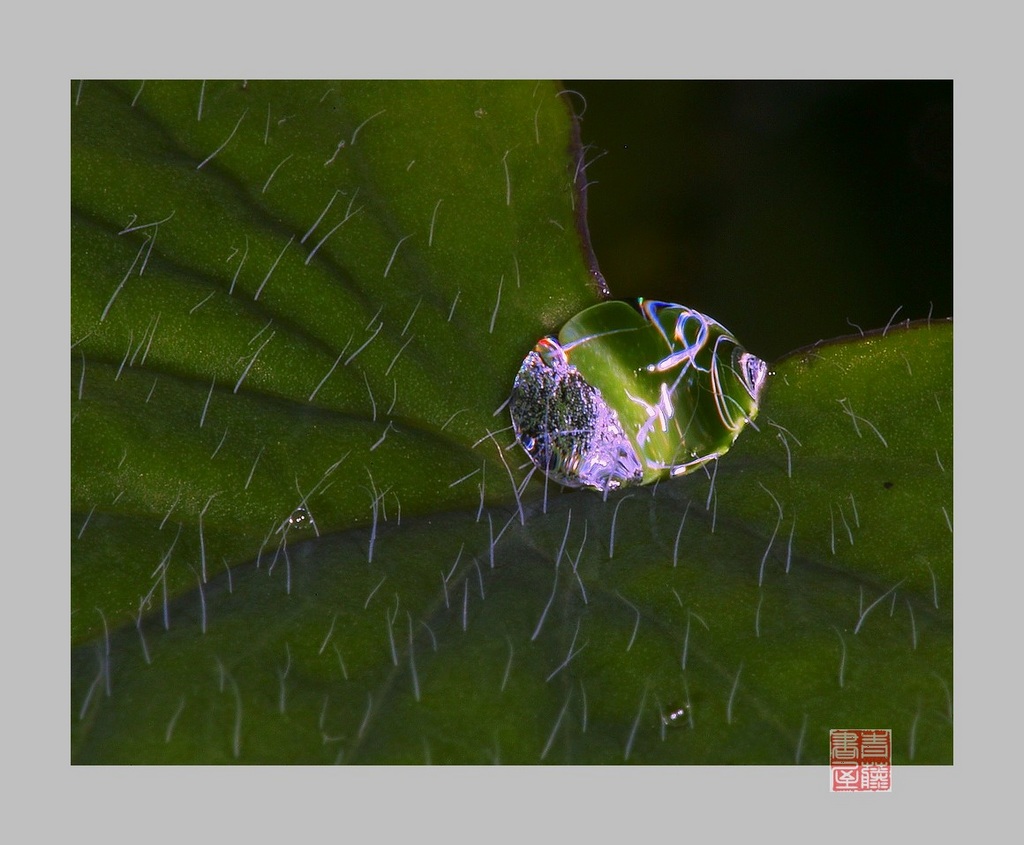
column 632, row 392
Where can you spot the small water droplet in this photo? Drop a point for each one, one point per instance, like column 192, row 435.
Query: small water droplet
column 674, row 717
column 298, row 519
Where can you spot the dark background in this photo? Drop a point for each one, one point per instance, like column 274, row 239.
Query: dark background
column 785, row 210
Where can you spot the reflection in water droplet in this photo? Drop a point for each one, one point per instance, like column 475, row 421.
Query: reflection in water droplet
column 565, row 425
column 674, row 717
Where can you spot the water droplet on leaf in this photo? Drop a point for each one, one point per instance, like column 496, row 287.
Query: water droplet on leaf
column 674, row 717
column 630, row 392
column 298, row 519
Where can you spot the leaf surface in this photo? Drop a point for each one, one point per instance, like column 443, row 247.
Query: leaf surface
column 295, row 310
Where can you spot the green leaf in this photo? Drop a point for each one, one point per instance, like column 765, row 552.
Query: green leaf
column 332, row 285
column 261, row 576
